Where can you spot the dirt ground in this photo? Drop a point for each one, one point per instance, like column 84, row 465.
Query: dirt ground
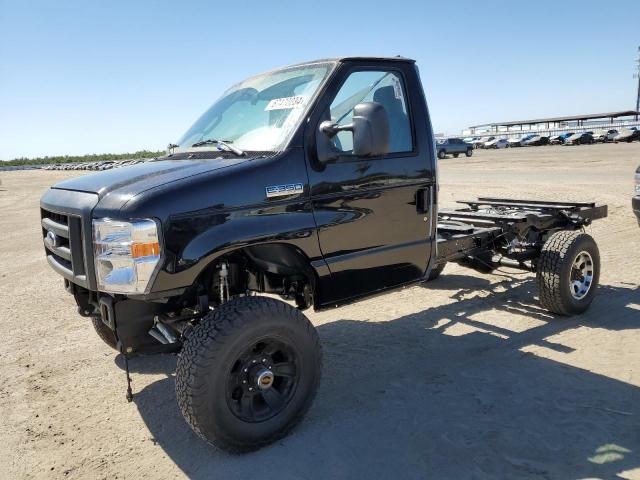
column 463, row 377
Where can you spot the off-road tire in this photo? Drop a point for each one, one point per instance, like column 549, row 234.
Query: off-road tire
column 554, row 272
column 104, row 332
column 469, row 152
column 436, row 271
column 442, row 154
column 211, row 350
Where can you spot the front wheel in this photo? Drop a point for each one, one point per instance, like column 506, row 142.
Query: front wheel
column 248, row 373
column 469, row 152
column 104, row 332
column 568, row 272
column 442, row 154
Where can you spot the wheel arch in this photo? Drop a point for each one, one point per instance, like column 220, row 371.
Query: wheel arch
column 285, row 233
column 270, row 257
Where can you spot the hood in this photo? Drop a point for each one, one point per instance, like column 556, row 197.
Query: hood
column 135, row 179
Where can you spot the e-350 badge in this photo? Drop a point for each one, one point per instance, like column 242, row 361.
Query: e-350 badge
column 282, row 190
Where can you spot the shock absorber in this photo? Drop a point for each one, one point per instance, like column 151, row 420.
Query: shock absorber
column 224, row 283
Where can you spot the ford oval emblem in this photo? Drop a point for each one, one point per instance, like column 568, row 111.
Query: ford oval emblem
column 51, row 239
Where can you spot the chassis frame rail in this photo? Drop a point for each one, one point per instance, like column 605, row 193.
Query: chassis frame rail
column 512, row 229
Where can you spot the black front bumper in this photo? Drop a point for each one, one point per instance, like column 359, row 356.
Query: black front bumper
column 635, row 203
column 131, row 320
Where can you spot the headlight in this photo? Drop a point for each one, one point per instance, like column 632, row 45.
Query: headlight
column 127, row 254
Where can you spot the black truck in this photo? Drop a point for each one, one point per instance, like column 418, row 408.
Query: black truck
column 315, row 183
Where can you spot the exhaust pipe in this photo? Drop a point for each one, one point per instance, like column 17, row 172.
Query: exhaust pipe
column 167, row 333
column 155, row 333
column 162, row 333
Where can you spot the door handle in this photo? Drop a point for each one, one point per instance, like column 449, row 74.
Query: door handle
column 422, row 201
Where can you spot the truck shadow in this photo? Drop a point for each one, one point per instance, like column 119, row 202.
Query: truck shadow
column 442, row 394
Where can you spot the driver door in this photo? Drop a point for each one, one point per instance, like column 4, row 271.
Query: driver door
column 372, row 212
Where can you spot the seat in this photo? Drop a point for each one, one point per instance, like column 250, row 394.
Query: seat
column 399, row 128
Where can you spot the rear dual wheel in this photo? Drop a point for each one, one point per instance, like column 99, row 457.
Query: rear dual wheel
column 568, row 272
column 248, row 373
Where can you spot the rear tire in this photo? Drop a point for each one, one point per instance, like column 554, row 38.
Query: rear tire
column 105, row 333
column 436, row 271
column 568, row 272
column 220, row 371
column 469, row 152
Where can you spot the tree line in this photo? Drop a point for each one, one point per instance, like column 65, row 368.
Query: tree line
column 96, row 157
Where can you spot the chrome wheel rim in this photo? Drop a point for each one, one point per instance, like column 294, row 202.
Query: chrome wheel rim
column 582, row 271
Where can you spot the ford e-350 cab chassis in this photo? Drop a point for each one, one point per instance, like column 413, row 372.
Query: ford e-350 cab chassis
column 315, row 183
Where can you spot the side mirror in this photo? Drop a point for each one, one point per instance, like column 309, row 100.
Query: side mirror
column 370, row 129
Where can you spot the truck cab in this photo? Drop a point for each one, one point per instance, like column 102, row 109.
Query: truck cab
column 296, row 199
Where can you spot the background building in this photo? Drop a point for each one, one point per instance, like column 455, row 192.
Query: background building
column 558, row 125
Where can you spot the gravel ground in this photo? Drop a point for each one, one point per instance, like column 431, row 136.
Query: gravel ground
column 464, row 377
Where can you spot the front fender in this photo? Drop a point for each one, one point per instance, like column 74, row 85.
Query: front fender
column 196, row 241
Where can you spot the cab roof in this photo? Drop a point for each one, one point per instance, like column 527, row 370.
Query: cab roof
column 356, row 58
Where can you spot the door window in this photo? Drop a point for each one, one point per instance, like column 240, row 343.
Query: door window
column 382, row 87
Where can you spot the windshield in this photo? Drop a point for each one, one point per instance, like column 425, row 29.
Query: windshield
column 261, row 113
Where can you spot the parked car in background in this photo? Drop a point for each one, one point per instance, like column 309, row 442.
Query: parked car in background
column 478, row 142
column 519, row 141
column 560, row 139
column 582, row 138
column 536, row 140
column 604, row 135
column 497, row 143
column 453, row 146
column 484, row 141
column 627, row 135
column 470, row 140
column 635, row 202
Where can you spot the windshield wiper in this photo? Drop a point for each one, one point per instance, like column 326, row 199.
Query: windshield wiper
column 220, row 143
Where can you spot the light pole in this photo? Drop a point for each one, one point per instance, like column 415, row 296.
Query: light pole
column 637, row 75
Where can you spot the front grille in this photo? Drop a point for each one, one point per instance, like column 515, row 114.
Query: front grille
column 62, row 236
column 56, row 217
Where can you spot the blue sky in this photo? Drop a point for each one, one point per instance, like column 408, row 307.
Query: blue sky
column 91, row 76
